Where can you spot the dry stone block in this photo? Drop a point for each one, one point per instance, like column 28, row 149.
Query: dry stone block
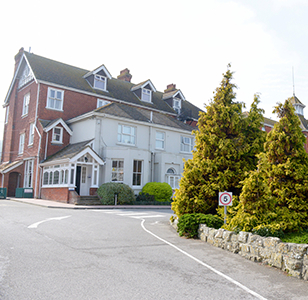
column 243, row 236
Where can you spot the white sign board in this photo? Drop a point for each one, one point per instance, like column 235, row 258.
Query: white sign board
column 225, row 198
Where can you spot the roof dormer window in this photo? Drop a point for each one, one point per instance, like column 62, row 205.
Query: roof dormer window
column 177, row 105
column 144, row 91
column 146, row 95
column 100, row 82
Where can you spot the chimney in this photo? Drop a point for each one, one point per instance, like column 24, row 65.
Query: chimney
column 170, row 88
column 125, row 75
column 18, row 57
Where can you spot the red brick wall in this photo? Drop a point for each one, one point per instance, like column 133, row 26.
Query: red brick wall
column 55, row 194
column 74, row 104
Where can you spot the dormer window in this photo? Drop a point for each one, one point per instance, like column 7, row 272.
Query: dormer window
column 57, row 134
column 100, row 82
column 146, row 95
column 177, row 105
column 144, row 91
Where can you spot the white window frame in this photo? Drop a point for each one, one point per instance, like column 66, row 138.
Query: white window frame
column 54, row 139
column 125, row 137
column 136, row 173
column 57, row 175
column 98, row 80
column 7, row 115
column 177, row 105
column 53, row 100
column 173, row 179
column 160, row 140
column 31, row 134
column 29, row 166
column 25, row 106
column 101, row 102
column 187, row 144
column 117, row 170
column 21, row 143
column 146, row 95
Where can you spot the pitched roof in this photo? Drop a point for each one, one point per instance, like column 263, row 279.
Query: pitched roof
column 70, row 151
column 142, row 115
column 54, row 72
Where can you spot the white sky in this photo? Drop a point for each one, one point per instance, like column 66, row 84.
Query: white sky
column 188, row 43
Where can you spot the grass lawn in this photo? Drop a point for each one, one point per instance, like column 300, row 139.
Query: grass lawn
column 298, row 238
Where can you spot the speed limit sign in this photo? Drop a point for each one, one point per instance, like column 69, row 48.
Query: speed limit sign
column 225, row 198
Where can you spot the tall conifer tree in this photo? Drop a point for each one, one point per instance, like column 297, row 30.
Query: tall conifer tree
column 226, row 144
column 288, row 169
column 276, row 194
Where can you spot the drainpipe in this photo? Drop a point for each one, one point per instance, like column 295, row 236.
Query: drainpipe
column 40, row 141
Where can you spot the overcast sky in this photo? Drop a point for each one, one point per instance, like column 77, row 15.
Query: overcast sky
column 188, row 43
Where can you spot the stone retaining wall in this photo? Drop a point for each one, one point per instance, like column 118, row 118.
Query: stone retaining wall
column 288, row 257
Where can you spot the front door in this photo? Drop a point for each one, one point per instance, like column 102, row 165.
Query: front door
column 14, row 181
column 78, row 174
column 84, row 184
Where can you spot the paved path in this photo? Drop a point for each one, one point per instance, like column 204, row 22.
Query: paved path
column 55, row 204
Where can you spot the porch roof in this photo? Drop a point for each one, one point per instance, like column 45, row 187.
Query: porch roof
column 73, row 151
column 7, row 167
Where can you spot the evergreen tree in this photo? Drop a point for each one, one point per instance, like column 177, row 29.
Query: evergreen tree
column 224, row 151
column 276, row 194
column 288, row 169
column 255, row 206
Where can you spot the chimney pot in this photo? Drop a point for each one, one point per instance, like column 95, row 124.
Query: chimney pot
column 170, row 87
column 125, row 75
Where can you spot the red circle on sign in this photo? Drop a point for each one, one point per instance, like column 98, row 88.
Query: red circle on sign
column 225, row 203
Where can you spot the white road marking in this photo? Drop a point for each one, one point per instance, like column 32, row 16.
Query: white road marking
column 131, row 214
column 34, row 225
column 149, row 216
column 204, row 264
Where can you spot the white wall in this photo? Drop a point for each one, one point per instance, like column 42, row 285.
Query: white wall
column 105, row 132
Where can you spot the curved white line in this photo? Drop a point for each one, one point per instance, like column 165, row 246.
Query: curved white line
column 204, row 264
column 34, row 225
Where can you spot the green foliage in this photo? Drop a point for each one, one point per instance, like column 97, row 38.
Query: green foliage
column 188, row 224
column 144, row 197
column 226, row 143
column 297, row 238
column 275, row 195
column 162, row 191
column 106, row 192
column 272, row 230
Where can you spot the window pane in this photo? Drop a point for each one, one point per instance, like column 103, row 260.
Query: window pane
column 45, row 181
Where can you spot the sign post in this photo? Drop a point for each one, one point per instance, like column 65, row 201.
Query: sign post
column 225, row 199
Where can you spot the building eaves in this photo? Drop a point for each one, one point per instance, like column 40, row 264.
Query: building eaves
column 67, row 152
column 142, row 115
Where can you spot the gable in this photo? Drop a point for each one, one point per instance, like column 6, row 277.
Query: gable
column 56, row 123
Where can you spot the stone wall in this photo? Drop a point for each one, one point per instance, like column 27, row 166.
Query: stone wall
column 288, row 257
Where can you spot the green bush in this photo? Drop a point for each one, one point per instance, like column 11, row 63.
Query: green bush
column 272, row 230
column 162, row 191
column 188, row 224
column 106, row 192
column 144, row 197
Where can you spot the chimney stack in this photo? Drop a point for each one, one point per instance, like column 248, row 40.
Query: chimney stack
column 18, row 57
column 125, row 75
column 170, row 88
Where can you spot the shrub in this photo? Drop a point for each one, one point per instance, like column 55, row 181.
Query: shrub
column 106, row 192
column 162, row 191
column 272, row 230
column 144, row 197
column 188, row 224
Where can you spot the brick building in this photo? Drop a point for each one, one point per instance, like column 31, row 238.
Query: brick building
column 68, row 130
